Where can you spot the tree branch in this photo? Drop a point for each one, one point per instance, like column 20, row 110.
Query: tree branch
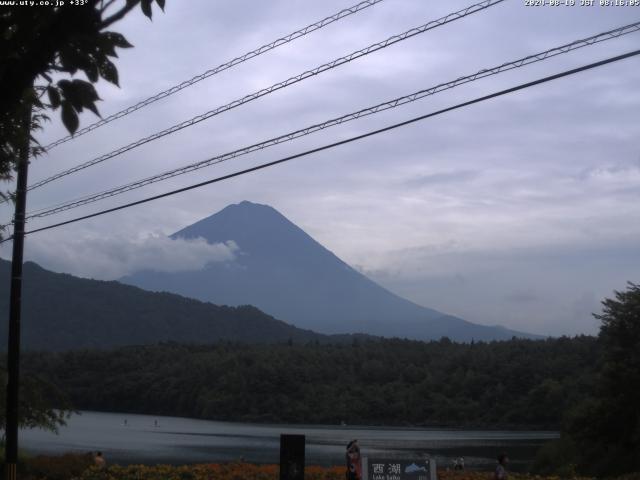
column 104, row 7
column 119, row 15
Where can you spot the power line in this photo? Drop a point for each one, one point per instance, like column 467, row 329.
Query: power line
column 338, row 121
column 220, row 68
column 290, row 81
column 343, row 142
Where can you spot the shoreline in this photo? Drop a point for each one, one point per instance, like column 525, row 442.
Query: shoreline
column 179, row 441
column 408, row 427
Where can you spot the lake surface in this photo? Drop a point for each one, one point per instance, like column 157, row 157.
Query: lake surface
column 125, row 438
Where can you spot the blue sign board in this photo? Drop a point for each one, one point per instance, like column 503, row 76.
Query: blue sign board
column 398, row 468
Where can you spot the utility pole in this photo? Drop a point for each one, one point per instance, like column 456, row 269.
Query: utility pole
column 13, row 357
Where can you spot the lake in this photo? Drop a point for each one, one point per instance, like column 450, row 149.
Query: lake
column 125, row 438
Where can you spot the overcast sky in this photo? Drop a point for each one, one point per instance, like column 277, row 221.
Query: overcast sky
column 522, row 211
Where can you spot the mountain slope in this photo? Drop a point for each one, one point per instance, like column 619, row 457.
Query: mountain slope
column 62, row 312
column 285, row 272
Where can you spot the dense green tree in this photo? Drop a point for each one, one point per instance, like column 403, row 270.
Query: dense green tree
column 38, row 399
column 392, row 382
column 606, row 426
column 40, row 48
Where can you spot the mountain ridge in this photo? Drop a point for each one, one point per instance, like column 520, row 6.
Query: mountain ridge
column 63, row 312
column 286, row 273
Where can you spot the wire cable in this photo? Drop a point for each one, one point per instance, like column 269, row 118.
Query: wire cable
column 220, row 68
column 277, row 86
column 345, row 141
column 538, row 57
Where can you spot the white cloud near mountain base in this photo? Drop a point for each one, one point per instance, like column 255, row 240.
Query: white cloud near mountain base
column 111, row 257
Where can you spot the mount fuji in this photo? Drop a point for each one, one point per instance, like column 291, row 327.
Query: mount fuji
column 286, row 273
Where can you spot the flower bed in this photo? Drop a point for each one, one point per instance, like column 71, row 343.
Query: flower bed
column 80, row 467
column 229, row 471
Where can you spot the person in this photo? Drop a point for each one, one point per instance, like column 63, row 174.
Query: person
column 501, row 471
column 354, row 461
column 99, row 460
column 461, row 463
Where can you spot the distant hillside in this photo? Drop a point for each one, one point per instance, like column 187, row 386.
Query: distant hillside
column 62, row 312
column 286, row 273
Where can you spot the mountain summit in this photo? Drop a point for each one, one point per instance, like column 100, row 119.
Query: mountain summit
column 286, row 273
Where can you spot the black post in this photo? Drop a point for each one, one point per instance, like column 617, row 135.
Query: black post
column 292, row 457
column 13, row 357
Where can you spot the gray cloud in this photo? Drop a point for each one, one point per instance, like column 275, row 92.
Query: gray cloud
column 442, row 177
column 548, row 171
column 547, row 290
column 521, row 297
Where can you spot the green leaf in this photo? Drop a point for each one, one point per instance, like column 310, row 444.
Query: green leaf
column 69, row 59
column 86, row 94
column 71, row 94
column 69, row 117
column 92, row 106
column 117, row 39
column 65, row 86
column 54, row 97
column 92, row 72
column 109, row 72
column 85, row 90
column 146, row 8
column 108, row 49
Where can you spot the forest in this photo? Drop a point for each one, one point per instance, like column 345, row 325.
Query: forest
column 518, row 383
